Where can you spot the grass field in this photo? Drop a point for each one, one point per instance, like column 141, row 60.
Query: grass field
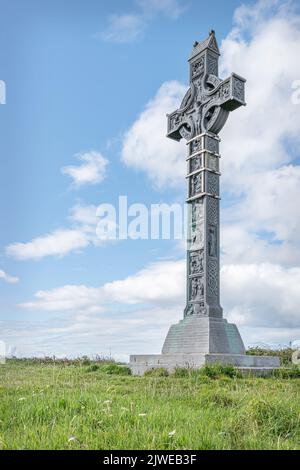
column 77, row 406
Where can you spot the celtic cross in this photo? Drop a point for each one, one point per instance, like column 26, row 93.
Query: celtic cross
column 202, row 114
column 203, row 336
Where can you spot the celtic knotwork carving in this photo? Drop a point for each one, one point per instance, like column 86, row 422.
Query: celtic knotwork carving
column 212, row 181
column 212, row 211
column 213, row 278
column 212, row 241
column 224, row 91
column 238, row 89
column 212, row 65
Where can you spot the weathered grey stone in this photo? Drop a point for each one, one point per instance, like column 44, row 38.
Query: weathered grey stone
column 196, row 334
column 203, row 336
column 258, row 365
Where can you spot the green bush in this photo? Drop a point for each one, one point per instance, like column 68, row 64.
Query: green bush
column 284, row 354
column 287, row 372
column 115, row 369
column 85, row 361
column 159, row 372
column 92, row 368
column 181, row 372
column 217, row 370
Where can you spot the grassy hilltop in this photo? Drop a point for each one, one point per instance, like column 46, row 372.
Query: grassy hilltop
column 82, row 405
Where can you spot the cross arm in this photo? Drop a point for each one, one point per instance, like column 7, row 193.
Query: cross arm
column 229, row 93
column 207, row 110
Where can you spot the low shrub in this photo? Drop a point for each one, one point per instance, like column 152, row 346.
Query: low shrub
column 284, row 354
column 181, row 372
column 158, row 372
column 217, row 370
column 287, row 372
column 115, row 369
column 92, row 368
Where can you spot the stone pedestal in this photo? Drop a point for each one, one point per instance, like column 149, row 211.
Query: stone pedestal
column 256, row 365
column 196, row 341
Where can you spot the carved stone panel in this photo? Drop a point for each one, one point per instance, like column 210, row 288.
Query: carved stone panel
column 224, row 91
column 195, row 184
column 196, row 309
column 197, row 68
column 212, row 65
column 195, row 163
column 196, row 289
column 196, row 238
column 196, row 259
column 196, row 211
column 211, row 144
column 196, row 146
column 238, row 88
column 212, row 162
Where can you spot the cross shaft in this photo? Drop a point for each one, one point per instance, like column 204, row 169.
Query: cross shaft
column 202, row 114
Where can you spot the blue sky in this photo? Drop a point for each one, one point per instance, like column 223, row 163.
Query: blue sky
column 85, row 82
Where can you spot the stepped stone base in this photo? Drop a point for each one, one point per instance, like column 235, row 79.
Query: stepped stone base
column 196, row 341
column 195, row 334
column 256, row 365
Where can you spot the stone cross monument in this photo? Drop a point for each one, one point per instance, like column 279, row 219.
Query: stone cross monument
column 203, row 335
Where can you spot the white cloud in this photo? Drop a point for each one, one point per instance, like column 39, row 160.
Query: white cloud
column 7, row 278
column 259, row 142
column 145, row 146
column 123, row 28
column 171, row 8
column 258, row 297
column 57, row 243
column 259, row 137
column 128, row 27
column 91, row 171
column 262, row 295
column 62, row 241
column 118, row 334
column 152, row 285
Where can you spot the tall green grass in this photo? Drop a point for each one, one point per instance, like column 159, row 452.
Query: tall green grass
column 98, row 406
